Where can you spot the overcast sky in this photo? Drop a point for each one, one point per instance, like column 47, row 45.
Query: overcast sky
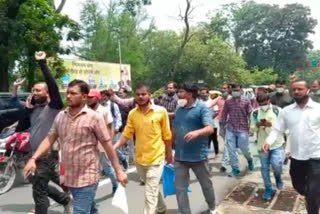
column 166, row 12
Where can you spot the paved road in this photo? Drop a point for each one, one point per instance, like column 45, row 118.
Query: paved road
column 19, row 199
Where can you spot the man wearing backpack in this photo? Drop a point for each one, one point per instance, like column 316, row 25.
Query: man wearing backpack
column 261, row 122
column 117, row 124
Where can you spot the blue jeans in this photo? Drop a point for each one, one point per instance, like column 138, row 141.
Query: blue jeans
column 274, row 157
column 237, row 139
column 108, row 170
column 83, row 199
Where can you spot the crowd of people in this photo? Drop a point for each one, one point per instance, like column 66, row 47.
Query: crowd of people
column 107, row 130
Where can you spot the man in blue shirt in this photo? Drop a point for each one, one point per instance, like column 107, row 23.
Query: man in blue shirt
column 191, row 127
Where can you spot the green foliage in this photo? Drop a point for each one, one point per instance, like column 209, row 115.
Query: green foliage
column 35, row 26
column 269, row 36
column 259, row 77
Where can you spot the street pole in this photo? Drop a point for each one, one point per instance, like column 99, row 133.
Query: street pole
column 119, row 49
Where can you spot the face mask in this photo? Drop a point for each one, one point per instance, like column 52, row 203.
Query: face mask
column 182, row 102
column 171, row 93
column 317, row 92
column 236, row 94
column 300, row 99
column 264, row 107
column 204, row 97
column 225, row 94
column 280, row 90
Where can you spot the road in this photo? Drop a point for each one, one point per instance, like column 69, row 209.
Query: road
column 19, row 199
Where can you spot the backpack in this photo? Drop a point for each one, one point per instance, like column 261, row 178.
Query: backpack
column 274, row 109
column 113, row 112
column 124, row 111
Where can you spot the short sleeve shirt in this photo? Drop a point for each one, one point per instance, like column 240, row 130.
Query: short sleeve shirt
column 189, row 119
column 78, row 137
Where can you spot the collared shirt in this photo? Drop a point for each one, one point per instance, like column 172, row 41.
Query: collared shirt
column 169, row 103
column 236, row 114
column 106, row 113
column 189, row 119
column 269, row 115
column 151, row 130
column 78, row 137
column 304, row 130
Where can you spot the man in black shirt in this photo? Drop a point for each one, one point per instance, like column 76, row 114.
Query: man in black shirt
column 41, row 108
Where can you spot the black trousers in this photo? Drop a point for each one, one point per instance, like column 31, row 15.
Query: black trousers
column 214, row 139
column 41, row 190
column 305, row 177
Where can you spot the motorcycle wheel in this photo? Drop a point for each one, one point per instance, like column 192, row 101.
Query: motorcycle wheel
column 7, row 180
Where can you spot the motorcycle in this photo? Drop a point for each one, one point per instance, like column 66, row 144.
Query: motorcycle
column 14, row 154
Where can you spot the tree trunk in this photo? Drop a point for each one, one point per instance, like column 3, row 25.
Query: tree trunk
column 31, row 71
column 4, row 74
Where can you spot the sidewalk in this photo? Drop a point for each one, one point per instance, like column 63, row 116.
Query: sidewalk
column 246, row 197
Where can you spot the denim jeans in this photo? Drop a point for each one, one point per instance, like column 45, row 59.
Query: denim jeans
column 121, row 155
column 182, row 179
column 83, row 199
column 108, row 170
column 274, row 157
column 237, row 139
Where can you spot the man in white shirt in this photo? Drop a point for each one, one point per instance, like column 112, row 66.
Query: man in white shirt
column 302, row 119
column 94, row 98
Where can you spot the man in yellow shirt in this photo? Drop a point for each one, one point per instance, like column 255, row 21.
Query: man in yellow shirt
column 150, row 125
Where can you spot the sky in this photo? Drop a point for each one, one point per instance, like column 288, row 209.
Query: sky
column 166, row 12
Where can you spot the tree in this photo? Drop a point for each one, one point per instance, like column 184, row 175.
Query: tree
column 31, row 25
column 269, row 36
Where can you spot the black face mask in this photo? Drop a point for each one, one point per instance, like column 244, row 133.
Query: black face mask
column 204, row 97
column 39, row 101
column 171, row 93
column 300, row 99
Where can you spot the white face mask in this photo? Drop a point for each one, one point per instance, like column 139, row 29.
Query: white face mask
column 280, row 90
column 236, row 93
column 182, row 102
column 264, row 108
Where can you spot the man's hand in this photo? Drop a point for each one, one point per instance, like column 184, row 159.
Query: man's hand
column 293, row 78
column 28, row 102
column 110, row 92
column 259, row 124
column 122, row 177
column 18, row 82
column 169, row 158
column 40, row 55
column 191, row 136
column 265, row 147
column 267, row 124
column 30, row 167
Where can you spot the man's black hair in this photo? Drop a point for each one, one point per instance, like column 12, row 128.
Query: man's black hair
column 280, row 82
column 84, row 87
column 191, row 88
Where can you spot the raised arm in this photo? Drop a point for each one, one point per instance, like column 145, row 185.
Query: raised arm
column 55, row 98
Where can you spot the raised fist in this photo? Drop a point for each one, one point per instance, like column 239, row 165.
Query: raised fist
column 18, row 82
column 40, row 55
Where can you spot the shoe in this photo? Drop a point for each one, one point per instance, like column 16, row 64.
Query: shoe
column 268, row 194
column 280, row 186
column 125, row 164
column 223, row 169
column 215, row 211
column 114, row 189
column 33, row 211
column 142, row 183
column 68, row 207
column 250, row 165
column 234, row 173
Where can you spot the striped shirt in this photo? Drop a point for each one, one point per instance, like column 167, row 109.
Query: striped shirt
column 236, row 114
column 169, row 103
column 79, row 136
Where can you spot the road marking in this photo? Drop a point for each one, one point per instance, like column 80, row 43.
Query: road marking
column 101, row 183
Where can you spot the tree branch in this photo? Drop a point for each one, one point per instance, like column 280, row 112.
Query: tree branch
column 61, row 5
